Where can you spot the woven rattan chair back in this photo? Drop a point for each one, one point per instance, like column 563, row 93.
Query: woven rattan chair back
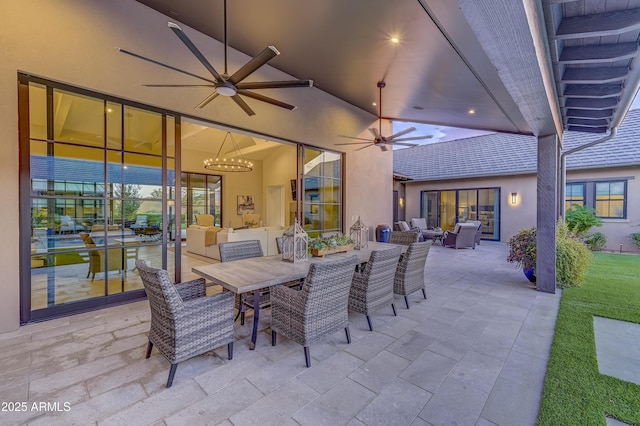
column 409, row 275
column 184, row 321
column 404, row 237
column 372, row 288
column 237, row 250
column 319, row 309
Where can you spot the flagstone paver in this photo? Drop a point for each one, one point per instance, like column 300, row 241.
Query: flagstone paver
column 473, row 353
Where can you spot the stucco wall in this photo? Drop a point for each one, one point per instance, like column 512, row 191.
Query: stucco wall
column 74, row 42
column 618, row 230
column 523, row 213
column 513, row 217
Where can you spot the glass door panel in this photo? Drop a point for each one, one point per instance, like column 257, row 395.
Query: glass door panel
column 448, row 213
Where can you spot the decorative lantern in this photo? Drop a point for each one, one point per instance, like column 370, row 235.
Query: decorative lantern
column 359, row 233
column 295, row 243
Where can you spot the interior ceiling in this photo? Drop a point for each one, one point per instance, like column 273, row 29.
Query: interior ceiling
column 439, row 71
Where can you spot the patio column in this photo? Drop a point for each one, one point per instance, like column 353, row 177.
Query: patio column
column 547, row 187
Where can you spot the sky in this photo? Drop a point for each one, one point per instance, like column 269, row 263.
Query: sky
column 444, row 133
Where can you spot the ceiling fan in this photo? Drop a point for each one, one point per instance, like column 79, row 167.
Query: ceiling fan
column 380, row 141
column 223, row 84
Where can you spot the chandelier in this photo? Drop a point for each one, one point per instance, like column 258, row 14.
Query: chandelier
column 234, row 163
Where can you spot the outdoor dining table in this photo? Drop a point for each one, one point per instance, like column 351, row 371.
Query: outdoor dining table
column 253, row 274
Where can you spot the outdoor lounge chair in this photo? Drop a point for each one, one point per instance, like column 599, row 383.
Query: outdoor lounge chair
column 463, row 235
column 372, row 288
column 409, row 276
column 319, row 309
column 478, row 230
column 185, row 322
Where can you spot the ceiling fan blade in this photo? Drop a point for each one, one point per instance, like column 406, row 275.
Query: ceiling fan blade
column 242, row 104
column 192, row 47
column 352, row 143
column 266, row 99
column 359, row 149
column 404, row 144
column 413, row 138
column 207, row 100
column 267, row 54
column 351, row 137
column 275, row 84
column 178, row 85
column 384, row 147
column 144, row 58
column 374, row 132
column 404, row 132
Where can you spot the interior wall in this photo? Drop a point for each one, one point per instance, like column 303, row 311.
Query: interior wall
column 233, row 184
column 279, row 168
column 75, row 43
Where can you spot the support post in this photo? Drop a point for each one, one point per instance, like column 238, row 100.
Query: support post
column 547, row 212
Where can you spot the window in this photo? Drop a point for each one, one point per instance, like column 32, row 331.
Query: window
column 608, row 198
column 574, row 195
column 322, row 202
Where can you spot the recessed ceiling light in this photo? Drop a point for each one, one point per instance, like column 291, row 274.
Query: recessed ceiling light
column 374, row 104
column 471, row 111
column 394, row 40
column 418, row 107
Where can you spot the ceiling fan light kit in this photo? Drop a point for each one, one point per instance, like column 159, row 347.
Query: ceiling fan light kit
column 383, row 142
column 222, row 84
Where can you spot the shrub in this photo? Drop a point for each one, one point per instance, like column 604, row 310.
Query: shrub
column 596, row 241
column 572, row 257
column 635, row 237
column 580, row 219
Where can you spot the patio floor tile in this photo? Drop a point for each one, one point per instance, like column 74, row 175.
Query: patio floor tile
column 474, row 352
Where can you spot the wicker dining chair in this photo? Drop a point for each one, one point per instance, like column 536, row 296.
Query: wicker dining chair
column 319, row 309
column 372, row 288
column 404, row 237
column 184, row 321
column 238, row 250
column 409, row 275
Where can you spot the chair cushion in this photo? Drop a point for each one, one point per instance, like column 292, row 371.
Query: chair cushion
column 419, row 222
column 204, row 219
column 404, row 226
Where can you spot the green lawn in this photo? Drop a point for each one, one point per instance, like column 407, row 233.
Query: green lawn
column 575, row 393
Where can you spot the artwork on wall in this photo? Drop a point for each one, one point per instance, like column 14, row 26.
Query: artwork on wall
column 246, row 204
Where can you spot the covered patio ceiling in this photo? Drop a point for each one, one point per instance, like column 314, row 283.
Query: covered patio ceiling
column 528, row 67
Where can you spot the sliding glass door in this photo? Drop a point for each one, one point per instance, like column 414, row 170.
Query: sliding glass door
column 446, row 208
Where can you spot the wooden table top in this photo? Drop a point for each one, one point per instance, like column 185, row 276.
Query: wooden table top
column 246, row 275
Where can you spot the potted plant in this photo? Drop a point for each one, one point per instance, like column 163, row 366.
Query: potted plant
column 572, row 255
column 522, row 252
column 320, row 247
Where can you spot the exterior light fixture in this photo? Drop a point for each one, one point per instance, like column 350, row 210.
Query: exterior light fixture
column 235, row 162
column 401, row 201
column 514, row 198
